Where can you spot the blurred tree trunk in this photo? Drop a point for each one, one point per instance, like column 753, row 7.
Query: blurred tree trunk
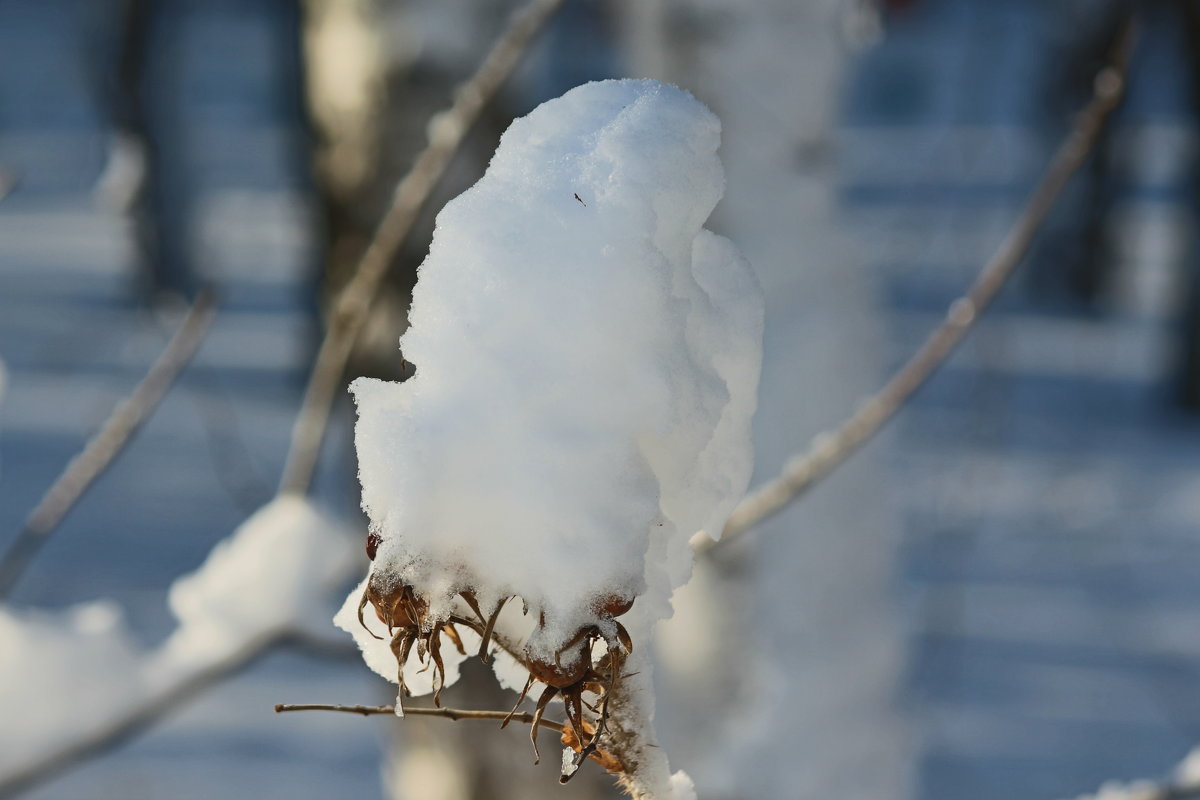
column 375, row 77
column 780, row 671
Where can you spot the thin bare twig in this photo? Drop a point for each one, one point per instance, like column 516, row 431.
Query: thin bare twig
column 445, row 713
column 831, row 448
column 446, row 133
column 107, row 444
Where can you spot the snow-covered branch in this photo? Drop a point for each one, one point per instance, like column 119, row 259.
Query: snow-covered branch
column 106, row 688
column 1184, row 784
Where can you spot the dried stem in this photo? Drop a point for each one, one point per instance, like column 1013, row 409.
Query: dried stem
column 831, row 448
column 445, row 713
column 103, row 448
column 446, row 133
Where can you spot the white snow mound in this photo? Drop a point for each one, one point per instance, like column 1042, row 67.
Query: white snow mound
column 587, row 361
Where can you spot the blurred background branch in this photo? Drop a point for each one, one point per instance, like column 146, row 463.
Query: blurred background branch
column 831, row 448
column 446, row 133
column 108, row 442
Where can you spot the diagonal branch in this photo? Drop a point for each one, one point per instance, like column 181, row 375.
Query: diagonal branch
column 103, row 448
column 446, row 133
column 831, row 448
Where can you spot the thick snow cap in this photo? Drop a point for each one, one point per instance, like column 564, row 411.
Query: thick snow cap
column 587, row 361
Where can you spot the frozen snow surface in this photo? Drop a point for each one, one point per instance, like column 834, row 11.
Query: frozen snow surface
column 587, row 361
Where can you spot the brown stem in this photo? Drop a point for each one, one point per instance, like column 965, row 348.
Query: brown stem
column 103, row 448
column 446, row 713
column 831, row 448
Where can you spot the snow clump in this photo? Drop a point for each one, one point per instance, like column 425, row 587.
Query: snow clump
column 271, row 575
column 63, row 672
column 587, row 361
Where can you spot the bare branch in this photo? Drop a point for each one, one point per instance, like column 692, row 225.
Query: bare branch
column 831, row 448
column 446, row 133
column 445, row 713
column 103, row 448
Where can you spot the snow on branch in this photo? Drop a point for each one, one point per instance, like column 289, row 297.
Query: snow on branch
column 587, row 360
column 829, row 449
column 262, row 584
column 1184, row 783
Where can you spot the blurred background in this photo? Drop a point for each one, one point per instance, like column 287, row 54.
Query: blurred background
column 998, row 599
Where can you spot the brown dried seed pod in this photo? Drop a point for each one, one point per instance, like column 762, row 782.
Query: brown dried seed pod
column 613, row 605
column 579, row 674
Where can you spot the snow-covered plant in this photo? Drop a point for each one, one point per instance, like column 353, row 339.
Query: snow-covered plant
column 587, row 359
column 90, row 662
